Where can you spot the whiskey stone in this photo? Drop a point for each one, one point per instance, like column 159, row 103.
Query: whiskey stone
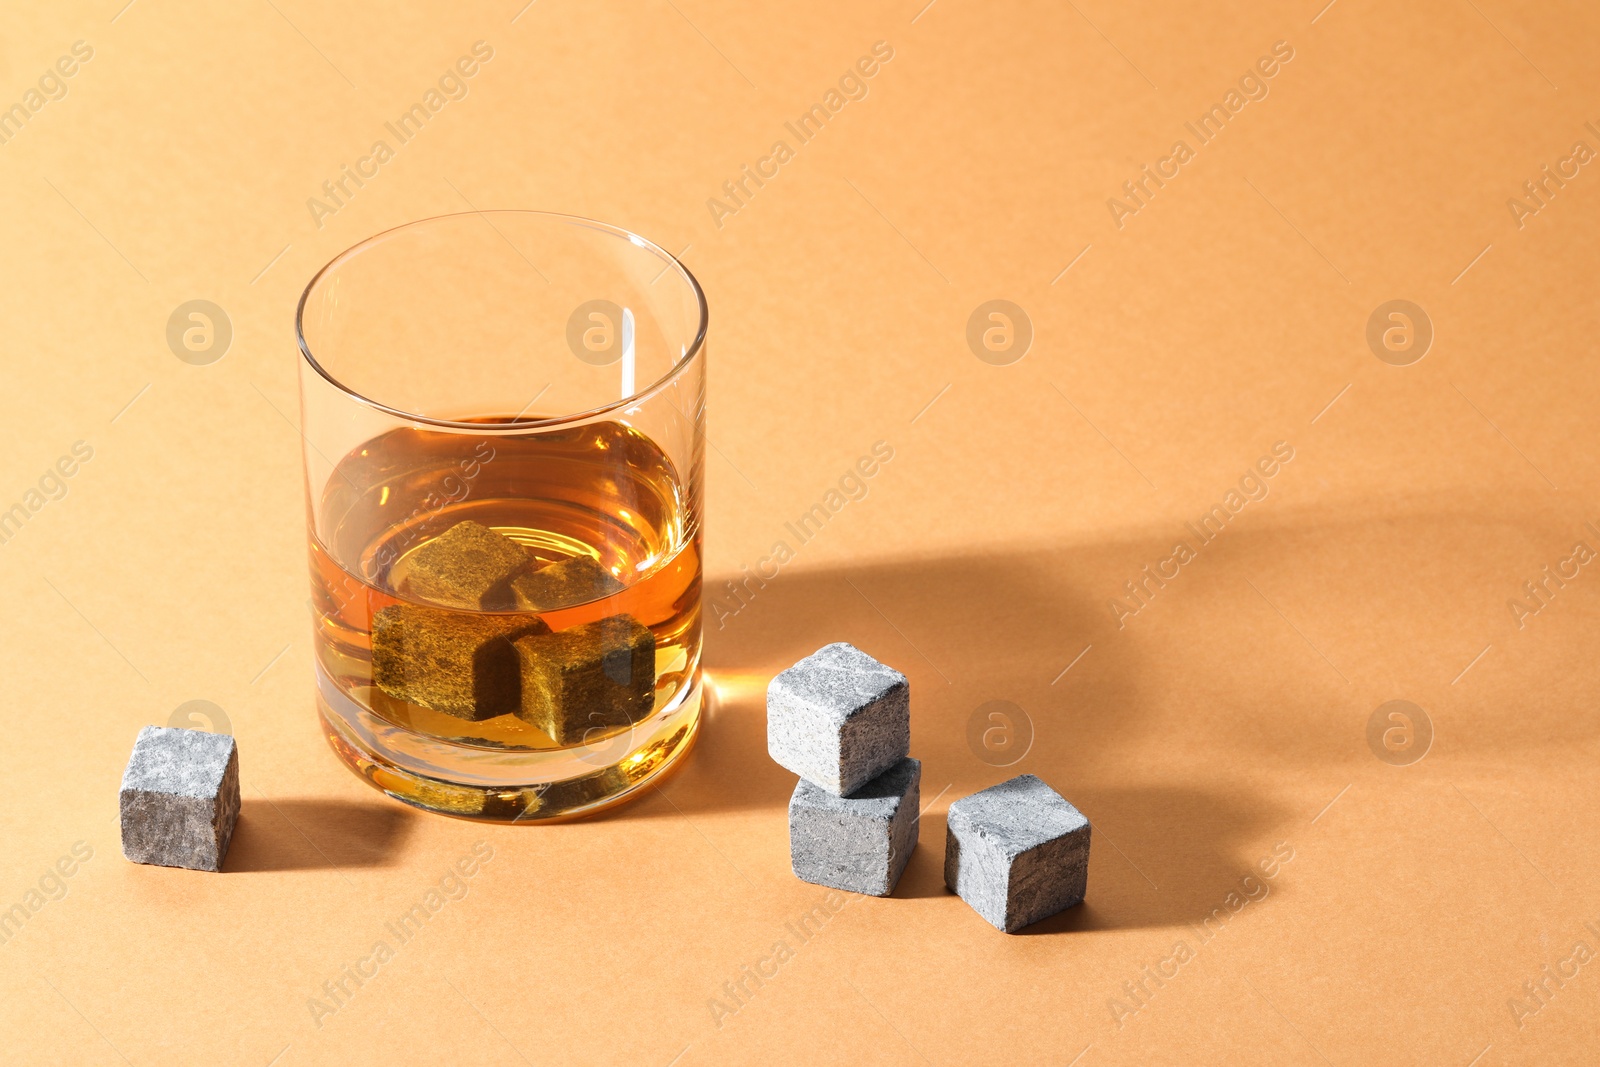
column 839, row 718
column 1017, row 852
column 593, row 677
column 180, row 798
column 558, row 585
column 454, row 662
column 467, row 566
column 859, row 843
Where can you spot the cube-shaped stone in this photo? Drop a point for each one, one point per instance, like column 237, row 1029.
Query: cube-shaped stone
column 839, row 718
column 458, row 662
column 467, row 566
column 586, row 680
column 1017, row 852
column 180, row 798
column 861, row 842
column 559, row 585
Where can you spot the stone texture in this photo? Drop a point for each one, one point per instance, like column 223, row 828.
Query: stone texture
column 456, row 662
column 839, row 718
column 180, row 798
column 467, row 566
column 597, row 676
column 861, row 842
column 1017, row 852
column 558, row 585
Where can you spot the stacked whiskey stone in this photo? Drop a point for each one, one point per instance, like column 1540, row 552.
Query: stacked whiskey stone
column 842, row 721
column 1016, row 852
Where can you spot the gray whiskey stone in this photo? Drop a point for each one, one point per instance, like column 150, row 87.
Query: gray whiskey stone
column 1017, row 852
column 839, row 718
column 861, row 842
column 180, row 798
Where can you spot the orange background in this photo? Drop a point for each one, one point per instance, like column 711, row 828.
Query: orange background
column 1227, row 716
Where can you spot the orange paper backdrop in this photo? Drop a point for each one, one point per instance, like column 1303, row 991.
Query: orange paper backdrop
column 1172, row 531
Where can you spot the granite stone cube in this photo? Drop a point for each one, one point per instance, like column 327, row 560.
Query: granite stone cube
column 1017, row 852
column 456, row 662
column 586, row 679
column 467, row 566
column 558, row 585
column 839, row 718
column 180, row 798
column 861, row 842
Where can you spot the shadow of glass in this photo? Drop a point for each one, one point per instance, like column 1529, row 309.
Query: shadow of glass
column 964, row 631
column 1184, row 735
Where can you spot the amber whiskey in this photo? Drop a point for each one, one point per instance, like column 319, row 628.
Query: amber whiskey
column 612, row 541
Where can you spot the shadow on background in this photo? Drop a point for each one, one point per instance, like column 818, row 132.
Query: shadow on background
column 1186, row 735
column 1177, row 855
column 309, row 834
column 964, row 631
column 969, row 632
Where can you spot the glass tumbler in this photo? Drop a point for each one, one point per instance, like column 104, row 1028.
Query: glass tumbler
column 503, row 416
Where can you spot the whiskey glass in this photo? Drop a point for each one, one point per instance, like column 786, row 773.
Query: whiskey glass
column 503, row 420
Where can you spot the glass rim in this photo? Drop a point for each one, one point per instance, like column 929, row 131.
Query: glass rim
column 517, row 422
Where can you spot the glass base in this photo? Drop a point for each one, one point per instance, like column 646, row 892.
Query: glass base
column 500, row 785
